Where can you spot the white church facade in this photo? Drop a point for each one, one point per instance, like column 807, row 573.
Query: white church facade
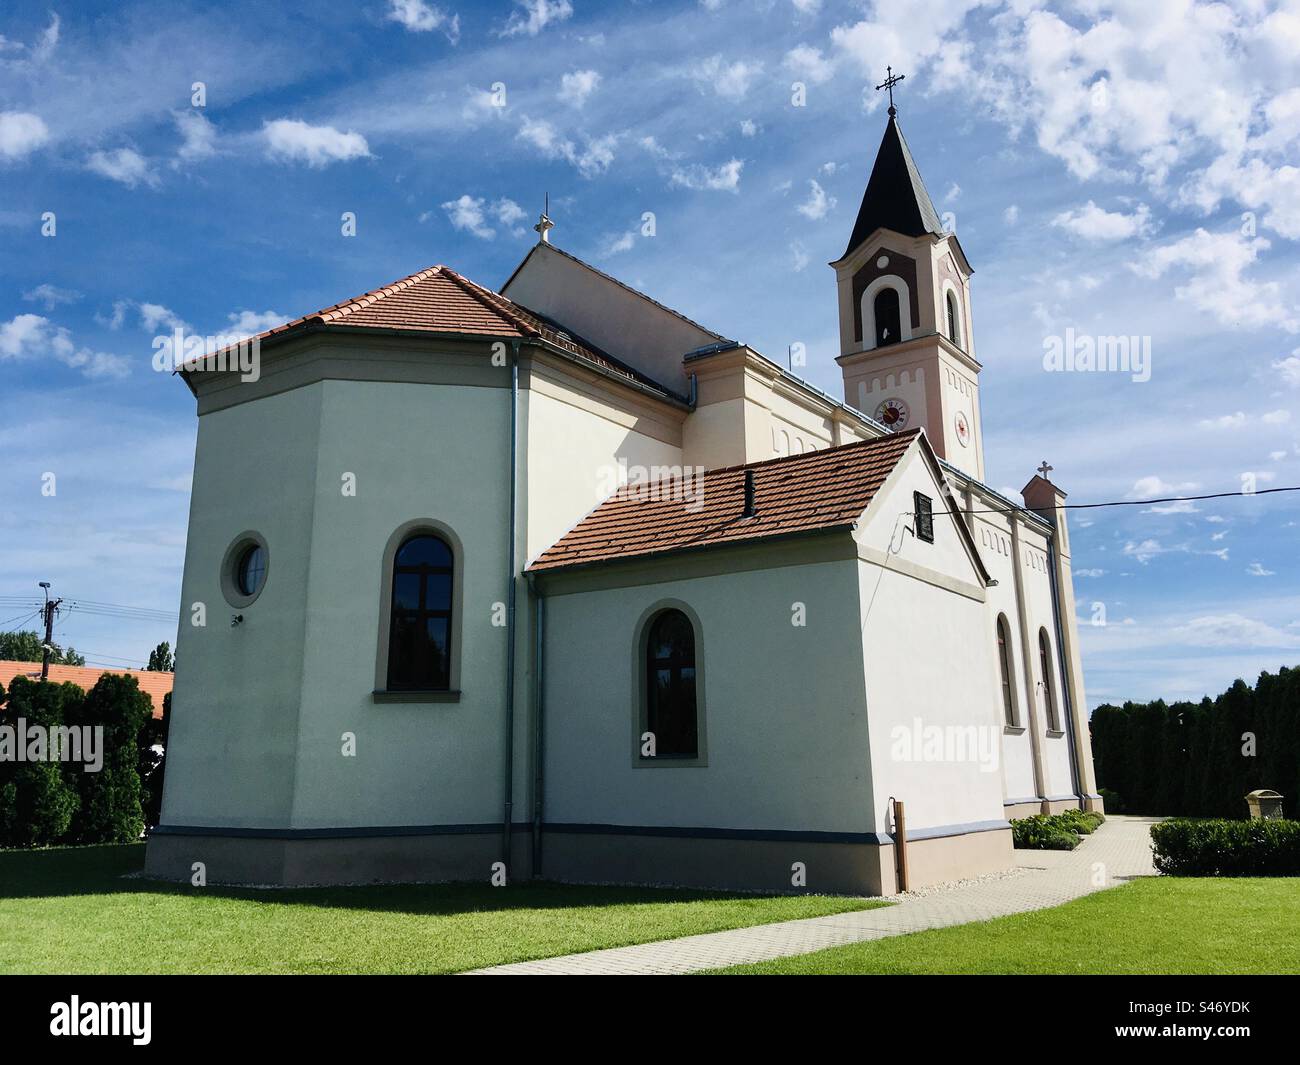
column 554, row 581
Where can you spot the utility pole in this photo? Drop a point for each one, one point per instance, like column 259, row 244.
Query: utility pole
column 51, row 608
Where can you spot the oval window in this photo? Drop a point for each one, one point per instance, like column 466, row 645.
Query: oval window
column 250, row 570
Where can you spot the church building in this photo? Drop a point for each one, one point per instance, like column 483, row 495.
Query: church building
column 554, row 581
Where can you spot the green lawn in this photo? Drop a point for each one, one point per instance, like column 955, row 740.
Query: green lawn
column 71, row 911
column 1153, row 925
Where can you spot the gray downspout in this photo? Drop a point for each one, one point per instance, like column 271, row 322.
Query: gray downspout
column 510, row 609
column 1061, row 672
column 539, row 731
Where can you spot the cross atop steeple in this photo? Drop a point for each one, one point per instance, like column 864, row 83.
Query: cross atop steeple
column 1044, row 470
column 544, row 224
column 890, row 81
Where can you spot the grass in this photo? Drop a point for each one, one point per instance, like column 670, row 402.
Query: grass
column 1153, row 925
column 69, row 910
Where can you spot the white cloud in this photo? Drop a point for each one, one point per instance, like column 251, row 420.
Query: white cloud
column 250, row 323
column 723, row 178
column 51, row 295
column 1147, row 487
column 1011, row 215
column 817, row 204
column 809, row 65
column 420, row 17
column 799, row 258
column 593, row 159
column 292, row 140
column 470, row 215
column 1275, row 417
column 1215, row 264
column 466, row 213
column 1089, row 572
column 1095, row 224
column 32, row 336
column 619, row 243
column 748, row 127
column 1289, row 368
column 1145, row 551
column 1232, row 630
column 153, row 315
column 536, row 16
column 1224, row 421
column 124, row 165
column 807, row 7
column 577, row 85
column 21, row 134
column 1256, row 569
column 730, row 80
column 198, row 136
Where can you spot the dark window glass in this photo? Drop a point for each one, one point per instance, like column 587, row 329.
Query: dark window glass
column 952, row 318
column 251, row 570
column 1004, row 665
column 888, row 328
column 1045, row 664
column 670, row 686
column 419, row 638
column 924, row 509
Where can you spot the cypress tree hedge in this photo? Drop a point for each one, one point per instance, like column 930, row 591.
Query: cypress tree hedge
column 1200, row 759
column 50, row 801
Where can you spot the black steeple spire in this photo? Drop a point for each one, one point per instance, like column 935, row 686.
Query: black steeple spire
column 895, row 198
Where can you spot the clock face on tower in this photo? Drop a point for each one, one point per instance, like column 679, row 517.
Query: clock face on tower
column 893, row 413
column 963, row 429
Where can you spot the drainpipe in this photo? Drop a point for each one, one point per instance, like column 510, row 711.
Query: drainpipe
column 539, row 732
column 510, row 609
column 1063, row 674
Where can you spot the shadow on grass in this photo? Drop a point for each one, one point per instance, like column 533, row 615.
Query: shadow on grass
column 106, row 870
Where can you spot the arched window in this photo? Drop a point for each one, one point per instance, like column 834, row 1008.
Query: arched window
column 953, row 333
column 1045, row 664
column 670, row 696
column 888, row 317
column 1005, row 669
column 419, row 642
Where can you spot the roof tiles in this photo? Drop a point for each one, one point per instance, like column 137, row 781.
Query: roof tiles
column 802, row 493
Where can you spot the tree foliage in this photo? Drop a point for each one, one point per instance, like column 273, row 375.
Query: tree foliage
column 26, row 646
column 1200, row 759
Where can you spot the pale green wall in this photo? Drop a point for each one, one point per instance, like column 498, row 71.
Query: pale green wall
column 234, row 729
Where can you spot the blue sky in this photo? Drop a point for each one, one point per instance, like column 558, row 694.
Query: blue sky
column 1120, row 169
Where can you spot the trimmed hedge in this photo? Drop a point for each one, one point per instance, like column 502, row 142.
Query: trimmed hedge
column 1201, row 759
column 1184, row 847
column 55, row 802
column 1043, row 833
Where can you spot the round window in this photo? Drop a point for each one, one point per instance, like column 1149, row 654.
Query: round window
column 250, row 571
column 244, row 569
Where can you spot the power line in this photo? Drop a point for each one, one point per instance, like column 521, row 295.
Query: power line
column 1134, row 502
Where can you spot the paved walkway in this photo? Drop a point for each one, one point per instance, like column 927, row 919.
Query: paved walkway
column 1116, row 852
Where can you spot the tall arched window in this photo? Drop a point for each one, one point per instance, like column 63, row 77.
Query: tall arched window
column 670, row 696
column 1005, row 669
column 1045, row 664
column 888, row 317
column 953, row 333
column 419, row 642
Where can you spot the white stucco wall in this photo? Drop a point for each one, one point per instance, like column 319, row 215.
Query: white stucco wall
column 783, row 705
column 573, row 447
column 928, row 663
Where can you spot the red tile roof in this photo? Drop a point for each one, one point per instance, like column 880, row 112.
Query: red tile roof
column 153, row 684
column 440, row 301
column 802, row 493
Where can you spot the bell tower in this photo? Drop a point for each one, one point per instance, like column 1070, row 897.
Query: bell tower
column 906, row 347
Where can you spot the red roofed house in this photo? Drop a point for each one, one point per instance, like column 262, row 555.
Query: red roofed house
column 153, row 683
column 556, row 581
